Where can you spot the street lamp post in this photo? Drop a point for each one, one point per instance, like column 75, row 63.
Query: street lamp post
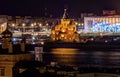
column 32, row 25
column 13, row 25
column 23, row 27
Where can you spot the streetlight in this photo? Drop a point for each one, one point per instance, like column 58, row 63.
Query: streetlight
column 79, row 24
column 32, row 25
column 35, row 26
column 76, row 23
column 35, row 23
column 40, row 24
column 23, row 25
column 13, row 25
column 47, row 24
column 82, row 24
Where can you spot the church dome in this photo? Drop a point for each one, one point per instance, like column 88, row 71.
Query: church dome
column 65, row 30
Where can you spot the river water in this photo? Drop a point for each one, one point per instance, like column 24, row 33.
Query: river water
column 84, row 58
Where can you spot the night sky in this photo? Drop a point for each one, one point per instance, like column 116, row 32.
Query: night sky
column 55, row 7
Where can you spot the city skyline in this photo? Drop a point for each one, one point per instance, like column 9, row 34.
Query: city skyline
column 54, row 8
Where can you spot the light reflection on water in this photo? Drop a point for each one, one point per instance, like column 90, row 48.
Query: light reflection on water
column 72, row 56
column 65, row 55
column 64, row 51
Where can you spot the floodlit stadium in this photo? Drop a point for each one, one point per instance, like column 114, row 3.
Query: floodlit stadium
column 104, row 24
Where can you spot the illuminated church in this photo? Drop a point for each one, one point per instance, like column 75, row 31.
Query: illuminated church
column 65, row 30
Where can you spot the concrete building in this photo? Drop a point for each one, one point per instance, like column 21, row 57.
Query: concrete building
column 9, row 55
column 102, row 24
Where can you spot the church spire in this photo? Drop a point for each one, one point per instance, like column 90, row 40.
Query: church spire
column 65, row 14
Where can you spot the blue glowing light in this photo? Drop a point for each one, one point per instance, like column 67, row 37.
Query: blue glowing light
column 105, row 27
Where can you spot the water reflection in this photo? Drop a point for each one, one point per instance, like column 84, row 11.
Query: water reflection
column 65, row 55
column 72, row 56
column 64, row 51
